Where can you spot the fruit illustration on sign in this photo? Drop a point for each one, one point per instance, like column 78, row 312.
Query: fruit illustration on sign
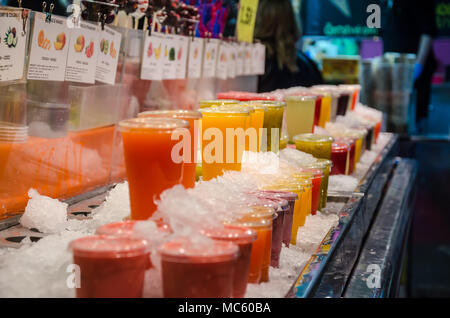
column 11, row 38
column 150, row 50
column 112, row 50
column 158, row 52
column 79, row 45
column 195, row 53
column 60, row 41
column 104, row 46
column 43, row 42
column 172, row 54
column 165, row 51
column 180, row 53
column 90, row 49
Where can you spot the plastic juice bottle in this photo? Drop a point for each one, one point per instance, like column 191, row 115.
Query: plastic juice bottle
column 198, row 269
column 305, row 178
column 257, row 121
column 150, row 168
column 325, row 110
column 111, row 266
column 316, row 184
column 300, row 115
column 214, row 159
column 206, row 103
column 273, row 119
column 317, row 145
column 263, row 229
column 192, row 117
column 243, row 238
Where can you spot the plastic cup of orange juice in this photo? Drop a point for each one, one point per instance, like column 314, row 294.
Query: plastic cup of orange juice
column 220, row 151
column 192, row 117
column 150, row 167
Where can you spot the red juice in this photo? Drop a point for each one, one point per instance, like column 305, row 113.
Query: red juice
column 340, row 156
column 110, row 266
column 125, row 228
column 243, row 238
column 316, row 181
column 198, row 269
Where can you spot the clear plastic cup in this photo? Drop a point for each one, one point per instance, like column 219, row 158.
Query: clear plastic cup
column 206, row 103
column 192, row 117
column 317, row 145
column 263, row 229
column 218, row 120
column 325, row 165
column 244, row 238
column 340, row 156
column 150, row 167
column 198, row 269
column 110, row 266
column 300, row 114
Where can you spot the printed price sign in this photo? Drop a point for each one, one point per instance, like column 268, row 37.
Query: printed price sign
column 195, row 58
column 246, row 20
column 182, row 55
column 108, row 56
column 210, row 58
column 49, row 47
column 152, row 60
column 222, row 62
column 83, row 53
column 12, row 45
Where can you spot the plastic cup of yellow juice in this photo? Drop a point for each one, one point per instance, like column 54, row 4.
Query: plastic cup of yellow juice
column 300, row 115
column 206, row 103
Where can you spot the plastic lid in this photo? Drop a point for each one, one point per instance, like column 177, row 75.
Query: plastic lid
column 280, row 194
column 287, row 186
column 152, row 123
column 268, row 103
column 238, row 111
column 124, row 228
column 236, row 234
column 254, row 224
column 184, row 250
column 297, row 98
column 218, row 102
column 106, row 246
column 324, row 163
column 313, row 138
column 181, row 114
column 340, row 147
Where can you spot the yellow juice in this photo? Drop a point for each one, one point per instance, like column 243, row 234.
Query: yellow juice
column 300, row 115
column 220, row 151
column 325, row 112
column 206, row 103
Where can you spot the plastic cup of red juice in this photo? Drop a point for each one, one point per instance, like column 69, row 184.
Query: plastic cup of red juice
column 110, row 266
column 244, row 238
column 198, row 269
column 125, row 228
column 291, row 197
column 340, row 156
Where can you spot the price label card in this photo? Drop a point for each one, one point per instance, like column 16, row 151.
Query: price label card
column 49, row 47
column 210, row 58
column 12, row 45
column 247, row 59
column 108, row 56
column 246, row 20
column 152, row 57
column 182, row 55
column 84, row 47
column 170, row 45
column 195, row 58
column 240, row 59
column 231, row 60
column 222, row 61
column 261, row 69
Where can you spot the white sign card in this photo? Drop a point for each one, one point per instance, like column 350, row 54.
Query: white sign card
column 84, row 47
column 231, row 60
column 182, row 56
column 108, row 56
column 170, row 47
column 261, row 68
column 152, row 57
column 248, row 59
column 210, row 58
column 49, row 47
column 240, row 53
column 12, row 45
column 222, row 61
column 195, row 58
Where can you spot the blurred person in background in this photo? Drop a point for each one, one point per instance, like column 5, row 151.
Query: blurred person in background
column 409, row 28
column 286, row 67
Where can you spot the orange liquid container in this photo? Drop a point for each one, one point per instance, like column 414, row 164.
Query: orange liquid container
column 219, row 151
column 193, row 118
column 263, row 229
column 257, row 123
column 148, row 158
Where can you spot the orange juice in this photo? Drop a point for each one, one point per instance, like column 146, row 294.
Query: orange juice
column 257, row 122
column 191, row 117
column 219, row 151
column 148, row 158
